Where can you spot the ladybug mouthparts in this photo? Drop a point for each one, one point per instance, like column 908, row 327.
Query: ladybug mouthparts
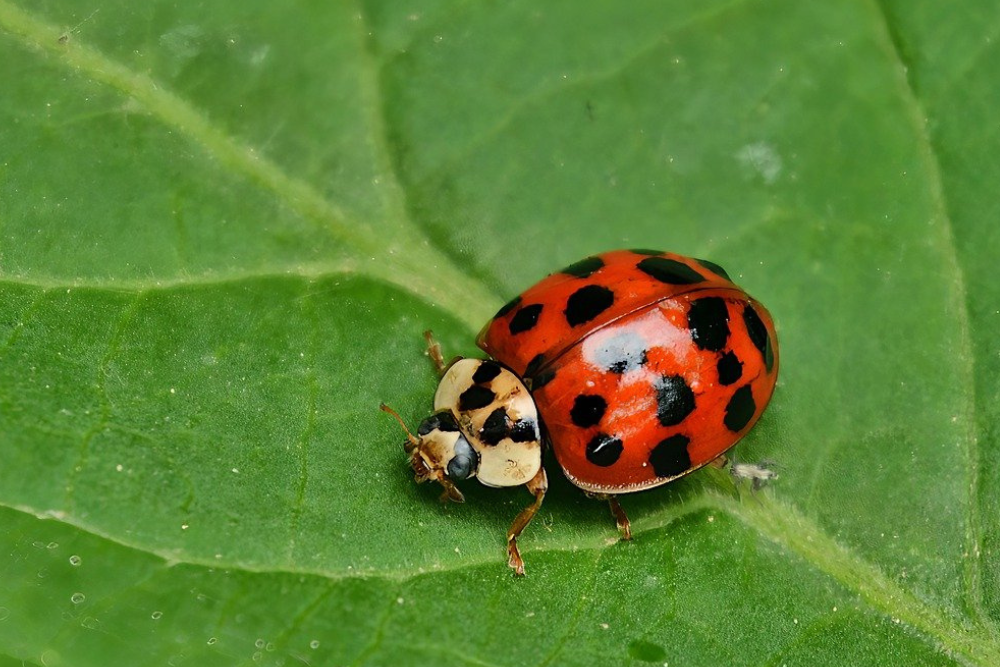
column 420, row 470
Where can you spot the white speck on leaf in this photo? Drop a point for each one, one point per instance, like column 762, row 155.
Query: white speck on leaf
column 762, row 159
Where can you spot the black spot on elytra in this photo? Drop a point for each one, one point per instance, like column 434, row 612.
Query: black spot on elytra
column 758, row 335
column 674, row 400
column 644, row 251
column 587, row 303
column 604, row 450
column 487, row 371
column 740, row 409
column 708, row 320
column 495, row 428
column 525, row 318
column 507, row 307
column 670, row 457
column 475, row 397
column 669, row 271
column 584, row 267
column 524, row 430
column 714, row 268
column 587, row 410
column 730, row 368
column 441, row 421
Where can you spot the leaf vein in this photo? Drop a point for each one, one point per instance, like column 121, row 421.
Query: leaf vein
column 302, row 445
column 964, row 362
column 450, row 650
column 379, row 635
column 472, row 310
column 574, row 620
column 104, row 416
column 987, row 45
column 775, row 521
column 26, row 317
column 508, row 118
column 403, row 258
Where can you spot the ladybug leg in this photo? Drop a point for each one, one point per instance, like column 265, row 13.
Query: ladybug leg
column 621, row 519
column 434, row 352
column 719, row 463
column 537, row 486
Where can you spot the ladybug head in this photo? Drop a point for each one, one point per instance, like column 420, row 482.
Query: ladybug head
column 439, row 452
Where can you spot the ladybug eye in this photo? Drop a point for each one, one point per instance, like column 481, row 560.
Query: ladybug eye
column 464, row 460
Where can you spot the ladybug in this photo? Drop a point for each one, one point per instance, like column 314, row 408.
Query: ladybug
column 637, row 367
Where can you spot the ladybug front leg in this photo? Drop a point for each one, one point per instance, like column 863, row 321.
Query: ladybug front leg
column 537, row 486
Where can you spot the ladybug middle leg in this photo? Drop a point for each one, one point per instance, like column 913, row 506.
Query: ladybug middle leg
column 621, row 519
column 618, row 512
column 537, row 486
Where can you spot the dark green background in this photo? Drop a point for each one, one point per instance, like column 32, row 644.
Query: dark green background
column 224, row 226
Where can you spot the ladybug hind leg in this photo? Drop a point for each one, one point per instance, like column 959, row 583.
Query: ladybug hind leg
column 720, row 463
column 537, row 486
column 434, row 352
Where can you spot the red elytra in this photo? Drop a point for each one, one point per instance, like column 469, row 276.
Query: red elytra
column 644, row 365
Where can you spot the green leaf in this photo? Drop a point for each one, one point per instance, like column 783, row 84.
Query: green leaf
column 224, row 228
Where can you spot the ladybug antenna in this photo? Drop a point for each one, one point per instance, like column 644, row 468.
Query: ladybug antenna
column 412, row 442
